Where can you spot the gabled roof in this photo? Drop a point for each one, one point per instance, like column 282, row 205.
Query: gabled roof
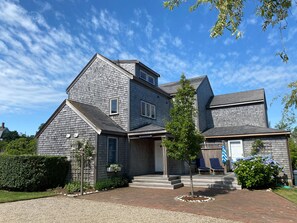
column 171, row 88
column 245, row 97
column 108, row 61
column 242, row 131
column 121, row 69
column 95, row 117
column 92, row 115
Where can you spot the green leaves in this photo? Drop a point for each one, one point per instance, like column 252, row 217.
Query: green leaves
column 185, row 144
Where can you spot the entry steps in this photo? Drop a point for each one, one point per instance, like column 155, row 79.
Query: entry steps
column 227, row 181
column 156, row 181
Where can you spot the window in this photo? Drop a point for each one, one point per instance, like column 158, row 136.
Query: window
column 113, row 107
column 148, row 110
column 147, row 77
column 112, row 150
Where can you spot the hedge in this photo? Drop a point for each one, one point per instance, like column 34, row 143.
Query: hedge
column 32, row 173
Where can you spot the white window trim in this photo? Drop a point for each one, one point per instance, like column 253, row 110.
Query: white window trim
column 147, row 77
column 117, row 149
column 150, row 110
column 110, row 104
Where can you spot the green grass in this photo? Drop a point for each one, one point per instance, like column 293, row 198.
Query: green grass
column 289, row 194
column 9, row 196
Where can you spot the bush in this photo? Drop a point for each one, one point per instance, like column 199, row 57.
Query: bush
column 32, row 173
column 113, row 182
column 257, row 172
column 21, row 146
column 74, row 186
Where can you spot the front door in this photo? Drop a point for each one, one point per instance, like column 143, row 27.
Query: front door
column 235, row 149
column 158, row 156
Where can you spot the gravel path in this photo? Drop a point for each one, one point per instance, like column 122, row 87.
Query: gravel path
column 63, row 209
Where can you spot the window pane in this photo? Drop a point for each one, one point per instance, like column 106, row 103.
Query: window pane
column 150, row 79
column 142, row 75
column 153, row 111
column 147, row 112
column 114, row 106
column 142, row 108
column 112, row 150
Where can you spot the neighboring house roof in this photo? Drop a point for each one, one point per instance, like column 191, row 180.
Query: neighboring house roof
column 171, row 88
column 92, row 115
column 242, row 131
column 2, row 130
column 150, row 129
column 239, row 98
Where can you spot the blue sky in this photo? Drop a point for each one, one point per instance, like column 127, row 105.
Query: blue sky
column 44, row 45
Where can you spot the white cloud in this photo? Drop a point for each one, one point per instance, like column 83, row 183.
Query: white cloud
column 177, row 42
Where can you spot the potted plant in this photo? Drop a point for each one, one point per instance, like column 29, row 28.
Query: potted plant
column 114, row 168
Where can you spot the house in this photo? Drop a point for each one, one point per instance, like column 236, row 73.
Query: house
column 3, row 130
column 121, row 109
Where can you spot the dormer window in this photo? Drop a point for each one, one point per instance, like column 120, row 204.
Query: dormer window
column 148, row 78
column 113, row 106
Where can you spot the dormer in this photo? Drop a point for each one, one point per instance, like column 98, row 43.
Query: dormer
column 139, row 70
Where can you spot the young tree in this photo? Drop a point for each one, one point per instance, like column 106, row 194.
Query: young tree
column 185, row 142
column 230, row 14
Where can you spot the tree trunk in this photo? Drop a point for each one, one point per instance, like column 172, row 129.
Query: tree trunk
column 81, row 174
column 191, row 180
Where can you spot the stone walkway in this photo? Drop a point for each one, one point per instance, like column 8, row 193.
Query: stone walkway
column 239, row 205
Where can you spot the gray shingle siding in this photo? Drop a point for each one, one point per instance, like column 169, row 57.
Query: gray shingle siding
column 53, row 141
column 130, row 67
column 253, row 114
column 139, row 93
column 141, row 157
column 100, row 83
column 276, row 146
column 102, row 155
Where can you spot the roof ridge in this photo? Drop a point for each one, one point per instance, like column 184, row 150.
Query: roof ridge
column 260, row 89
column 177, row 82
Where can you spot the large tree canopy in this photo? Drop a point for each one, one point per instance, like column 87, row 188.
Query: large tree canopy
column 230, row 14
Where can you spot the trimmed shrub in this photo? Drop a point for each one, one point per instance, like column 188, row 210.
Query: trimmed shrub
column 32, row 173
column 256, row 172
column 113, row 182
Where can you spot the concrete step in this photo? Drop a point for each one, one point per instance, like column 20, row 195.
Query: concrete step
column 154, row 177
column 214, row 184
column 223, row 182
column 156, row 185
column 156, row 181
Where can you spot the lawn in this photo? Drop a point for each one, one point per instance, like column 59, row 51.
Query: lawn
column 8, row 196
column 290, row 194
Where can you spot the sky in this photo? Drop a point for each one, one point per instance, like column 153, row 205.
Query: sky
column 45, row 44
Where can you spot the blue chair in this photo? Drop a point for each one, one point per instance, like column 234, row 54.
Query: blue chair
column 202, row 167
column 215, row 166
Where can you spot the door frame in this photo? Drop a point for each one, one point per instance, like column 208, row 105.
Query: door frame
column 158, row 159
column 229, row 147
